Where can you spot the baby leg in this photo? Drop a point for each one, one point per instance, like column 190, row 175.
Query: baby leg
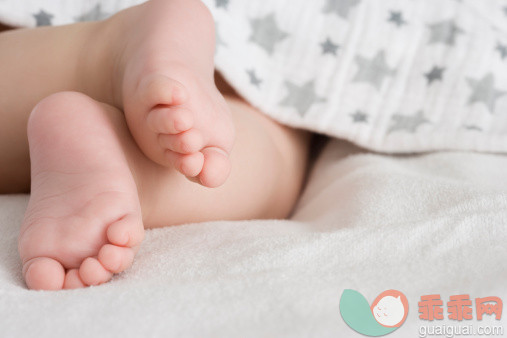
column 35, row 63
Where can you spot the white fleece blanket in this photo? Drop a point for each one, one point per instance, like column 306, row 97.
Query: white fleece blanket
column 424, row 224
column 389, row 75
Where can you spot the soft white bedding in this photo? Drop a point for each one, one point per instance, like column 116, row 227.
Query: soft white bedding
column 433, row 223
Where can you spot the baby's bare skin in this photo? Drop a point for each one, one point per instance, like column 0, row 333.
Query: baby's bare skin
column 94, row 186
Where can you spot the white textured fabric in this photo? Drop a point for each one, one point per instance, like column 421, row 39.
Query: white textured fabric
column 423, row 224
column 390, row 75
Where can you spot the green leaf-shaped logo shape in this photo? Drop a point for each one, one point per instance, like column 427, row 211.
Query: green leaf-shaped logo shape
column 356, row 312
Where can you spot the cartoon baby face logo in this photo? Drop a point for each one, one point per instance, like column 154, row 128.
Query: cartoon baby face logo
column 387, row 312
column 390, row 308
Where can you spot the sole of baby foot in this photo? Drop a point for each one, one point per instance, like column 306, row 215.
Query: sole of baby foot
column 172, row 106
column 83, row 221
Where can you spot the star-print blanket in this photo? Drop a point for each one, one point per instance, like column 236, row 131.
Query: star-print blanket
column 390, row 75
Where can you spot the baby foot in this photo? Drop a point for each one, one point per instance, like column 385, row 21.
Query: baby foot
column 83, row 222
column 172, row 106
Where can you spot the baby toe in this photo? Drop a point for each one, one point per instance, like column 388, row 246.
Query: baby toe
column 169, row 120
column 189, row 165
column 93, row 273
column 127, row 231
column 44, row 273
column 216, row 167
column 72, row 280
column 188, row 142
column 157, row 89
column 115, row 258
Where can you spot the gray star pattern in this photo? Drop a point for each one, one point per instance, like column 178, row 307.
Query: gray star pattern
column 502, row 49
column 340, row 7
column 484, row 91
column 397, row 18
column 221, row 3
column 409, row 123
column 434, row 74
column 42, row 18
column 328, row 47
column 94, row 14
column 254, row 80
column 265, row 33
column 373, row 71
column 444, row 32
column 301, row 97
column 359, row 117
